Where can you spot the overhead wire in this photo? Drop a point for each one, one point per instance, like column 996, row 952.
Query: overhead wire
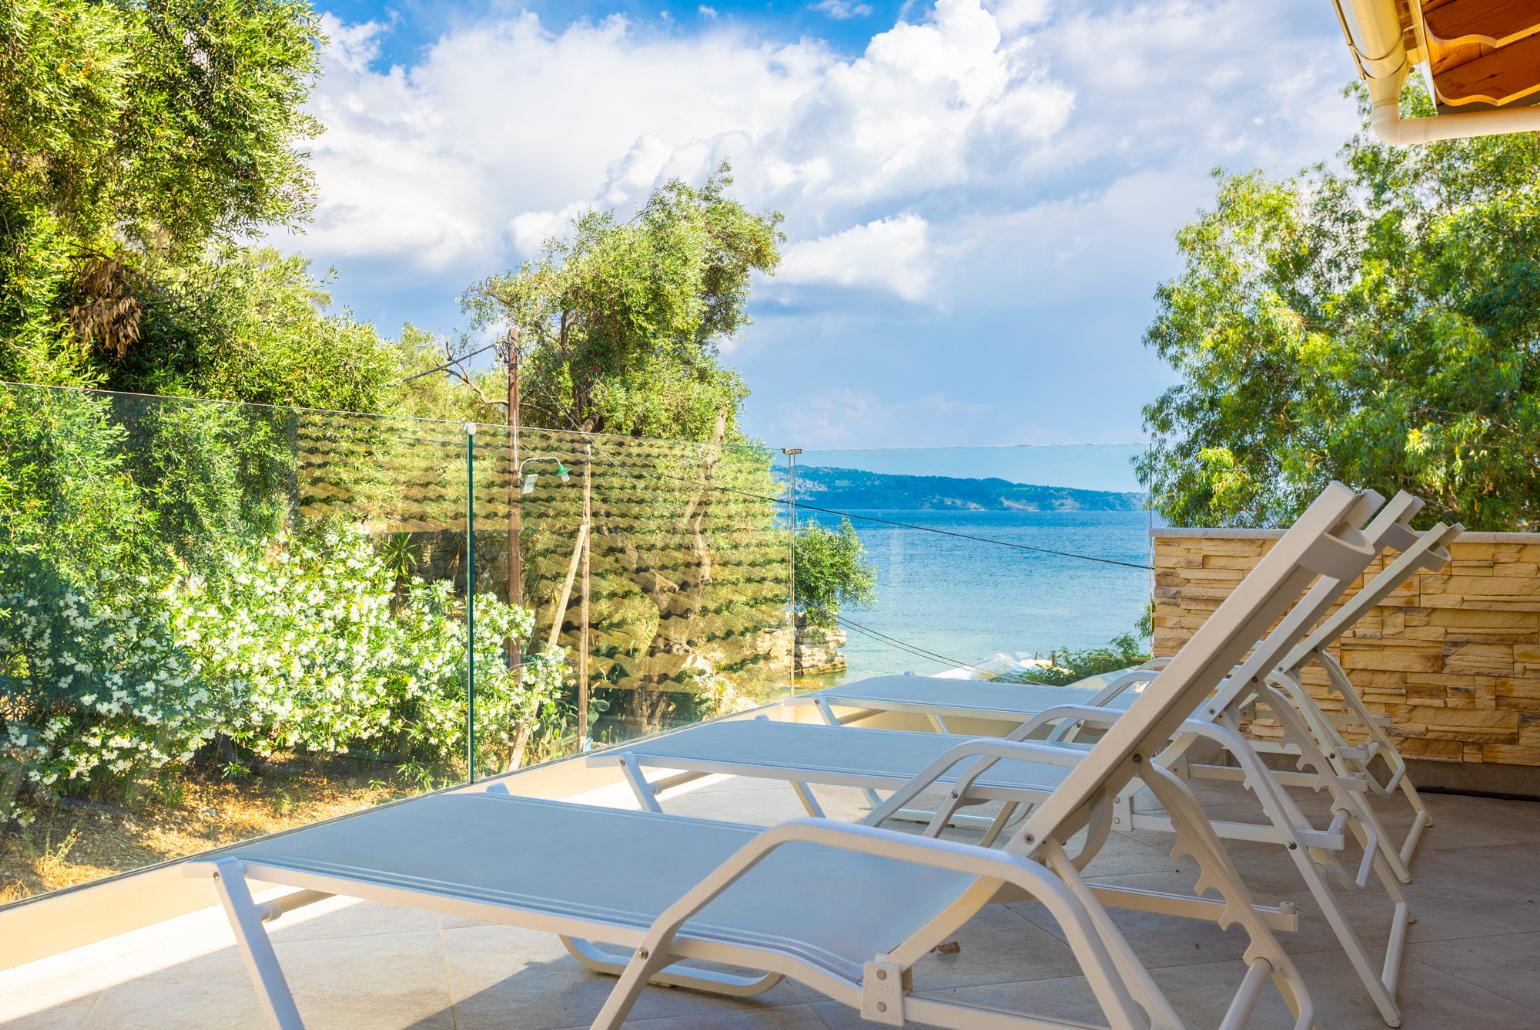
column 446, row 366
column 843, row 620
column 593, row 440
column 1143, row 567
column 904, row 645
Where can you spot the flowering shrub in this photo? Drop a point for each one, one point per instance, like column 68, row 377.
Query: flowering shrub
column 308, row 647
column 300, row 647
column 95, row 691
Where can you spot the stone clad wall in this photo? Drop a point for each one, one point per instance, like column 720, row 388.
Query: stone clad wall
column 1452, row 657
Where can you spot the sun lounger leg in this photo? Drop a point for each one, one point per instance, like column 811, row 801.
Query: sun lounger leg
column 1387, row 749
column 1420, row 822
column 1365, row 828
column 1285, row 819
column 1130, row 970
column 1002, row 820
column 1395, row 859
column 256, row 949
column 644, row 965
column 611, row 963
column 831, row 719
column 809, row 802
column 645, row 795
column 1245, row 1000
column 1195, row 837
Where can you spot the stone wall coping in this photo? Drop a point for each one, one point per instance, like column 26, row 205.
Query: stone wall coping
column 1273, row 534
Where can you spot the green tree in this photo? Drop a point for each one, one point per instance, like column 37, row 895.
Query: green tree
column 831, row 571
column 67, row 498
column 158, row 122
column 133, row 134
column 252, row 325
column 618, row 326
column 1377, row 323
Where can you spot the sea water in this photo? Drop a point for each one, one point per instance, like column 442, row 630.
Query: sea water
column 964, row 600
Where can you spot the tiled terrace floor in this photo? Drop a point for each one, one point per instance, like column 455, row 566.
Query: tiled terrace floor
column 1473, row 960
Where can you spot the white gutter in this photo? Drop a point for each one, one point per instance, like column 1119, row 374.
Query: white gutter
column 1376, row 41
column 1388, row 125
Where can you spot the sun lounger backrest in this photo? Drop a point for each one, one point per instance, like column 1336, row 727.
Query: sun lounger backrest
column 1428, row 552
column 1391, row 527
column 1325, row 541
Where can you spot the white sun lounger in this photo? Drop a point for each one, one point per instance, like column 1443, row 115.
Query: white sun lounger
column 1418, row 552
column 845, row 909
column 804, row 754
column 940, row 699
column 1430, row 553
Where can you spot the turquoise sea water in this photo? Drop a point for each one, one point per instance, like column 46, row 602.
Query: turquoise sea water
column 968, row 600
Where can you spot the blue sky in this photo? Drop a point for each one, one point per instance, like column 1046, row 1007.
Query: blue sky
column 980, row 195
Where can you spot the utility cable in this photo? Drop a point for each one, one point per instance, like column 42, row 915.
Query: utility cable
column 893, row 522
column 970, row 536
column 446, row 366
column 905, row 646
column 902, row 645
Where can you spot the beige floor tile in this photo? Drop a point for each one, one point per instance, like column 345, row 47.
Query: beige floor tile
column 68, row 1015
column 1507, row 966
column 508, row 978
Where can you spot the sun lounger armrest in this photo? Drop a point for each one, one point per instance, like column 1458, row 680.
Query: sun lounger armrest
column 1008, row 749
column 993, row 867
column 979, row 754
column 1069, row 715
column 1124, row 682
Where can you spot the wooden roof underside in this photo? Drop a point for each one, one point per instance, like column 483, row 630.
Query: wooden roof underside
column 1482, row 53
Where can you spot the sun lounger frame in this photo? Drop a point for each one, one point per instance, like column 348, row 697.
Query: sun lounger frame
column 1311, row 849
column 1323, row 543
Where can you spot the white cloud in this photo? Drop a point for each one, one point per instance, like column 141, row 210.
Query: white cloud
column 891, row 254
column 505, row 127
column 1005, row 156
column 843, row 10
column 1071, row 249
column 1018, row 14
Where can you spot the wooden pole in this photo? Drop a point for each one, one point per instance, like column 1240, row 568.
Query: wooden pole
column 470, row 602
column 791, row 554
column 588, row 535
column 515, row 518
column 559, row 606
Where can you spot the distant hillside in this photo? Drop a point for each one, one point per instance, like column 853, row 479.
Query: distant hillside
column 846, row 489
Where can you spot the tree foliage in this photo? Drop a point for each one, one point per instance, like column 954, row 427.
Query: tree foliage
column 620, row 323
column 831, row 571
column 1377, row 322
column 139, row 138
column 157, row 122
column 253, row 325
column 1071, row 666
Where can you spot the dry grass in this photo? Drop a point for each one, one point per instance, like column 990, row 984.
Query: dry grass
column 68, row 845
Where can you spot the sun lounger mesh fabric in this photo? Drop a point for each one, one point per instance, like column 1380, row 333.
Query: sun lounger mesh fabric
column 833, row 908
column 961, row 696
column 760, row 745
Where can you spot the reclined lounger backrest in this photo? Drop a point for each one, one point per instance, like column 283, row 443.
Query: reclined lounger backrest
column 1325, row 542
column 1428, row 552
column 1391, row 528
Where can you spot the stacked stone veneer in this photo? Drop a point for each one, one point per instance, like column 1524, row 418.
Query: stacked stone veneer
column 1453, row 657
